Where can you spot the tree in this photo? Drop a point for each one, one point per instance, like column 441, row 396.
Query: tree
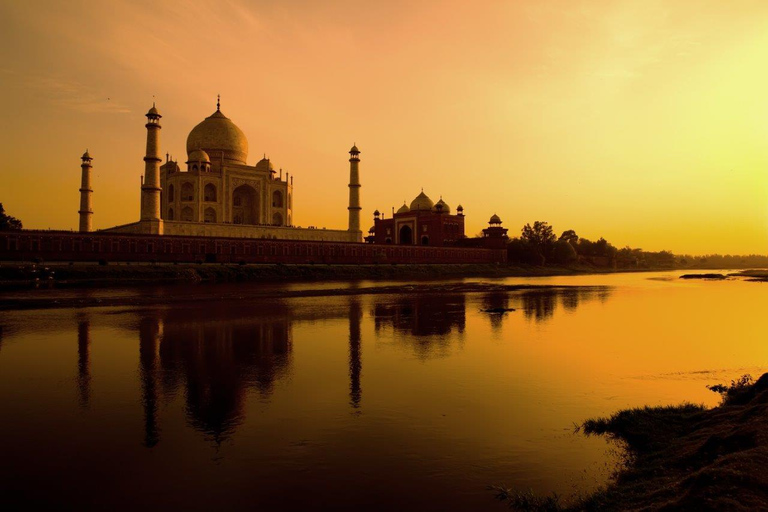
column 563, row 253
column 540, row 236
column 570, row 236
column 8, row 223
column 519, row 251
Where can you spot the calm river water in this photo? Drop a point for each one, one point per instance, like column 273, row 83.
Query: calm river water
column 359, row 402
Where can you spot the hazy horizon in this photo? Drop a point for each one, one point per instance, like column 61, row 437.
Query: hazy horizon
column 641, row 122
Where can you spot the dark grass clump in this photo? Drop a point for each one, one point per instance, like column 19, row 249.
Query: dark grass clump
column 684, row 457
column 644, row 428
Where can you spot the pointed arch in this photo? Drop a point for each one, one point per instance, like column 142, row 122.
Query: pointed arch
column 245, row 205
column 187, row 191
column 209, row 193
column 277, row 199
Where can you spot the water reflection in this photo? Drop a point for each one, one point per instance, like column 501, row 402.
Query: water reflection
column 149, row 338
column 215, row 355
column 539, row 305
column 496, row 301
column 84, row 362
column 427, row 320
column 355, row 360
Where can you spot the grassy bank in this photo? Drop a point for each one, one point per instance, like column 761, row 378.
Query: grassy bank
column 681, row 458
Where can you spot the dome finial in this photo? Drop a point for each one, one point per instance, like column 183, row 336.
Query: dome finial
column 218, row 102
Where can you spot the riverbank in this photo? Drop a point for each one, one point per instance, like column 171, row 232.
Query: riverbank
column 92, row 275
column 14, row 276
column 685, row 457
column 164, row 296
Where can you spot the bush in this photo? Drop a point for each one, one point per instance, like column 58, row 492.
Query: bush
column 734, row 393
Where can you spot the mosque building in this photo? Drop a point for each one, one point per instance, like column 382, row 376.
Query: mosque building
column 423, row 222
column 216, row 193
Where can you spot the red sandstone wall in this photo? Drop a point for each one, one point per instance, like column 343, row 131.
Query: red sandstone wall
column 67, row 246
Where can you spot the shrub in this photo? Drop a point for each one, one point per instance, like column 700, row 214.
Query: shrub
column 736, row 391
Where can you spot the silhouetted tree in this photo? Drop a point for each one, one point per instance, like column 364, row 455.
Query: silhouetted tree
column 520, row 251
column 564, row 253
column 8, row 223
column 540, row 236
column 570, row 236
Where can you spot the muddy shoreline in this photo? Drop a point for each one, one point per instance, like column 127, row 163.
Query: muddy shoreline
column 155, row 297
column 96, row 276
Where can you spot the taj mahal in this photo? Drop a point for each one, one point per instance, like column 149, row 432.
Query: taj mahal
column 215, row 208
column 216, row 193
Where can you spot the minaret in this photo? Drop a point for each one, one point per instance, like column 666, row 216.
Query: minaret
column 354, row 194
column 86, row 207
column 150, row 188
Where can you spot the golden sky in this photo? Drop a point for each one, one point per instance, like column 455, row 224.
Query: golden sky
column 645, row 122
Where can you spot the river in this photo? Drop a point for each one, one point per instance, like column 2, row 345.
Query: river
column 388, row 401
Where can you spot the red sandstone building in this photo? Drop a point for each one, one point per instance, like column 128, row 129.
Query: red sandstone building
column 421, row 223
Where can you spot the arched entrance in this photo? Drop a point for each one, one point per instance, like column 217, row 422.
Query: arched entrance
column 245, row 205
column 425, row 240
column 406, row 235
column 210, row 215
column 277, row 219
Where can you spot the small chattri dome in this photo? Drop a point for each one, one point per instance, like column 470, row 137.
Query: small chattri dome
column 422, row 202
column 372, row 230
column 199, row 155
column 354, row 150
column 376, row 213
column 264, row 165
column 404, row 208
column 153, row 111
column 86, row 155
column 494, row 219
column 442, row 207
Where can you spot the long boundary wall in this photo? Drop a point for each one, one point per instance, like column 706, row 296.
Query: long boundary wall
column 29, row 245
column 207, row 230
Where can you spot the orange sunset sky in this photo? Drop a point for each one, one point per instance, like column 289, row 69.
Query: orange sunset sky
column 645, row 122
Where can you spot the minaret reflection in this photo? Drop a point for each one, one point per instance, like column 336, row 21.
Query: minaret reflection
column 355, row 362
column 84, row 361
column 149, row 339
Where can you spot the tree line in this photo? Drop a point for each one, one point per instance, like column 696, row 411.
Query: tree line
column 539, row 245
